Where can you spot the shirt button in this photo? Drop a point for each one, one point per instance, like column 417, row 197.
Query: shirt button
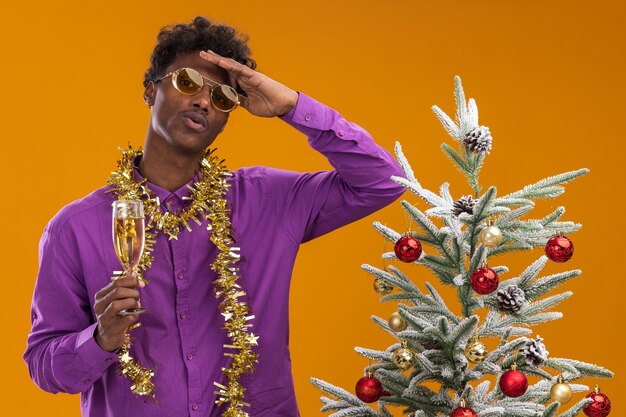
column 307, row 117
column 87, row 381
column 194, row 407
column 190, row 356
column 180, row 275
column 340, row 133
column 108, row 360
column 182, row 316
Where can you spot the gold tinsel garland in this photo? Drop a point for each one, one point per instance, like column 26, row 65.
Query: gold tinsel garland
column 208, row 201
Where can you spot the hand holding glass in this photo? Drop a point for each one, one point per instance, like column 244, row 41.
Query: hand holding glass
column 128, row 238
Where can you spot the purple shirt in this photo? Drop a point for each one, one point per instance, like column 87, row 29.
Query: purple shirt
column 272, row 212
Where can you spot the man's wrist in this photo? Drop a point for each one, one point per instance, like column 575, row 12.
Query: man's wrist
column 292, row 102
column 102, row 344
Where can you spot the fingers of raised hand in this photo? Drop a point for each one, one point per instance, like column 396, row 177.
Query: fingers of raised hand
column 228, row 64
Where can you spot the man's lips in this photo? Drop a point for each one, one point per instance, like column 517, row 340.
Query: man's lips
column 194, row 120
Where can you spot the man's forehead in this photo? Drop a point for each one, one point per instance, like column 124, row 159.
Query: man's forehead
column 193, row 60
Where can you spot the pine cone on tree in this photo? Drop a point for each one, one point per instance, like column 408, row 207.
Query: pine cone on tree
column 535, row 352
column 511, row 298
column 464, row 204
column 478, row 140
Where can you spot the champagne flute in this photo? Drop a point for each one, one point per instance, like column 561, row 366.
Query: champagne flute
column 128, row 239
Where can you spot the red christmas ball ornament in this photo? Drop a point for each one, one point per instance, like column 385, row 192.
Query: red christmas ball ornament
column 601, row 405
column 368, row 389
column 463, row 411
column 484, row 280
column 513, row 383
column 559, row 249
column 408, row 249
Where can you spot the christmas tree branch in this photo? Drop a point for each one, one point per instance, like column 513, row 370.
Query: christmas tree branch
column 551, row 410
column 510, row 202
column 554, row 216
column 492, row 412
column 469, row 163
column 448, row 124
column 436, row 237
column 384, row 325
column 541, row 305
column 462, row 115
column 397, row 279
column 481, row 391
column 513, row 214
column 548, row 187
column 577, row 369
column 375, row 355
column 496, row 325
column 475, row 161
column 542, row 389
column 404, row 163
column 499, row 353
column 390, row 234
column 460, row 163
column 350, row 402
column 383, row 409
column 461, row 333
column 544, row 285
column 531, row 272
column 333, row 405
column 422, row 396
column 577, row 408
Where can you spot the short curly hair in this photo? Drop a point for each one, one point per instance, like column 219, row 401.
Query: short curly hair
column 200, row 34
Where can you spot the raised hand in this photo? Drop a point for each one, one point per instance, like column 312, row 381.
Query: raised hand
column 265, row 97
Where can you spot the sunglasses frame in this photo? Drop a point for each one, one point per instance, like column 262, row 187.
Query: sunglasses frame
column 212, row 84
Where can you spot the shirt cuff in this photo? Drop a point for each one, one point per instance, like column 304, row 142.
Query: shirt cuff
column 308, row 114
column 91, row 353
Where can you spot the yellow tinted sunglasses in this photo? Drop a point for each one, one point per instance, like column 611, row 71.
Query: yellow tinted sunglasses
column 189, row 82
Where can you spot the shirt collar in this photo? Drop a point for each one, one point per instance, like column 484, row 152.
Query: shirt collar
column 176, row 198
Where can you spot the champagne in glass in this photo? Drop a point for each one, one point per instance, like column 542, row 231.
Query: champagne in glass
column 129, row 238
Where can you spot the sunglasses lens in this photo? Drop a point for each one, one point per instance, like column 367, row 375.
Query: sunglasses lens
column 224, row 97
column 188, row 81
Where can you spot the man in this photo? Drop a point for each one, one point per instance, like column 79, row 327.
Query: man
column 78, row 313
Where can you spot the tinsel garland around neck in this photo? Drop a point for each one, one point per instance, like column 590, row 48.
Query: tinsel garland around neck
column 207, row 203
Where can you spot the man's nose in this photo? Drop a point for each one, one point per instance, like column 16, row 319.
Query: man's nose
column 202, row 99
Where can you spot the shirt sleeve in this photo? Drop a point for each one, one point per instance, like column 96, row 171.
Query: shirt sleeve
column 62, row 354
column 312, row 204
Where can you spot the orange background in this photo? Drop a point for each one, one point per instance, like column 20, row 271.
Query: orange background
column 546, row 76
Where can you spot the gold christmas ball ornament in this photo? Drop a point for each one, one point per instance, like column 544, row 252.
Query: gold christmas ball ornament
column 561, row 391
column 490, row 236
column 382, row 287
column 403, row 358
column 397, row 323
column 476, row 351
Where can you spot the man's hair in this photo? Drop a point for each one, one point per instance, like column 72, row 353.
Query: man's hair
column 198, row 35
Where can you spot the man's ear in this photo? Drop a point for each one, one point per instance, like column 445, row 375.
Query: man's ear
column 149, row 93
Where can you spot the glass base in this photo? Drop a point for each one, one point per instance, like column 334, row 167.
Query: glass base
column 129, row 311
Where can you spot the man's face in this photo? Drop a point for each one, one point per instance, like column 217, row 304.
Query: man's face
column 175, row 116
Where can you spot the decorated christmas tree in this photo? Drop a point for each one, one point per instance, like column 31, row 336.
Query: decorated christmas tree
column 439, row 365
